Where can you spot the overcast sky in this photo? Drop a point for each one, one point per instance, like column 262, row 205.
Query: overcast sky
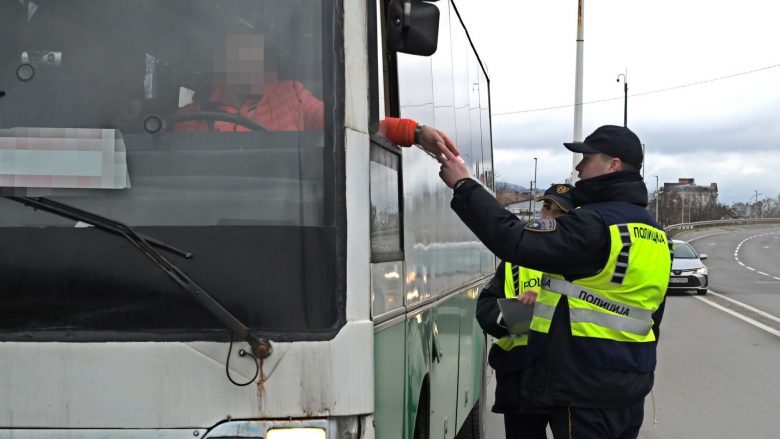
column 725, row 131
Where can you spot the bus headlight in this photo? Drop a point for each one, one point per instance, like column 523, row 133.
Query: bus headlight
column 296, row 433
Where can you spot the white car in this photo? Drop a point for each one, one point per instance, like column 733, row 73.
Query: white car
column 688, row 270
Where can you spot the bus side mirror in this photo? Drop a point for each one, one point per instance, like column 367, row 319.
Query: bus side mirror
column 412, row 27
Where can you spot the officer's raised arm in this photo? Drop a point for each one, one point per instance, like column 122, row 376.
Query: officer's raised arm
column 605, row 272
column 408, row 132
column 569, row 245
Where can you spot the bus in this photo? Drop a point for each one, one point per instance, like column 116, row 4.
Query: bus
column 204, row 234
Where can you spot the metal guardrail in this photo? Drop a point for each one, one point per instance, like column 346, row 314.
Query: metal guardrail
column 676, row 228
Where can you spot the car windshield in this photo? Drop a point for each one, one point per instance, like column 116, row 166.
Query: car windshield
column 684, row 251
column 200, row 123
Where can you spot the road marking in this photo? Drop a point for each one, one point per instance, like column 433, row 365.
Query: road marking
column 757, row 324
column 746, row 306
column 707, row 236
column 736, row 251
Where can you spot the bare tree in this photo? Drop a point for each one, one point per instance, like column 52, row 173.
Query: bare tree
column 672, row 209
column 770, row 207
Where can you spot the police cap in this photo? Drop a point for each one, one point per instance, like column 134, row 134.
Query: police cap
column 559, row 194
column 614, row 141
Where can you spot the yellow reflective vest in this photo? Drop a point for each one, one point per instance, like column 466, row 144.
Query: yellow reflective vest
column 616, row 304
column 518, row 279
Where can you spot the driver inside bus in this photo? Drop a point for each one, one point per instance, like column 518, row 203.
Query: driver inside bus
column 245, row 88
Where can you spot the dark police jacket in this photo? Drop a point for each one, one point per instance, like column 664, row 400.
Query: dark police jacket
column 509, row 365
column 576, row 246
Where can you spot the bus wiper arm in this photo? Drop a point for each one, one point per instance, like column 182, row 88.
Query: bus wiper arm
column 100, row 222
column 260, row 346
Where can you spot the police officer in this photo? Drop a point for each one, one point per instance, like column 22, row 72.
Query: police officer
column 508, row 355
column 592, row 347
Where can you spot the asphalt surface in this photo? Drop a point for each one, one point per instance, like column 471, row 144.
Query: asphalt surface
column 718, row 374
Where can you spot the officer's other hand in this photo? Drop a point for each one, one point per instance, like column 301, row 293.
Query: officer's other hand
column 528, row 297
column 436, row 141
column 452, row 169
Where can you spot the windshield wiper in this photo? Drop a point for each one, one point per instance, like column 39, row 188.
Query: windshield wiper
column 100, row 222
column 260, row 346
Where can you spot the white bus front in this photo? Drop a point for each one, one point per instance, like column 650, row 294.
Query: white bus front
column 211, row 127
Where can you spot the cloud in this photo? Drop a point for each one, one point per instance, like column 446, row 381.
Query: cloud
column 723, row 131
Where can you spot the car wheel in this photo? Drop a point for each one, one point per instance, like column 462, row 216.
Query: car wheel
column 701, row 291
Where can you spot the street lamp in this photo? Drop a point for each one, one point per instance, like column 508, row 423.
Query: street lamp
column 656, row 199
column 682, row 198
column 625, row 96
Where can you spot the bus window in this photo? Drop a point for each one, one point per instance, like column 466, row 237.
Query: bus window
column 221, row 110
column 385, row 215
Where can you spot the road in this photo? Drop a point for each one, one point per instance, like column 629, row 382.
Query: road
column 718, row 374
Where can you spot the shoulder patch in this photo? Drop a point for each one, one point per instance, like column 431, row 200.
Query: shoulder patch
column 546, row 225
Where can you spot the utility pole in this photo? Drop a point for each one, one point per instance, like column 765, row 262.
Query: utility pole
column 625, row 96
column 578, row 85
column 682, row 198
column 751, row 208
column 530, row 200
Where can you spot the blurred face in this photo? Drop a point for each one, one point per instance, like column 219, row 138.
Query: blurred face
column 595, row 164
column 241, row 62
column 550, row 210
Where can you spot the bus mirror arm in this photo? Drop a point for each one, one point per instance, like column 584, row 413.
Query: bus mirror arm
column 261, row 348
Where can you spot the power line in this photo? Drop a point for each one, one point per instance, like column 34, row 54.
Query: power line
column 660, row 90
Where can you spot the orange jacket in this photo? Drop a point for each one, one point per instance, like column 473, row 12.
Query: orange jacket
column 400, row 131
column 286, row 106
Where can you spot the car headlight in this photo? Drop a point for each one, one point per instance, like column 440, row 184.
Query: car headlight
column 702, row 270
column 296, row 433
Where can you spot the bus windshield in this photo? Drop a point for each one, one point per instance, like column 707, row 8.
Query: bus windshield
column 202, row 124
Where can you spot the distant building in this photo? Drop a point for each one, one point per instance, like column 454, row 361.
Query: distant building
column 741, row 210
column 524, row 208
column 745, row 210
column 691, row 193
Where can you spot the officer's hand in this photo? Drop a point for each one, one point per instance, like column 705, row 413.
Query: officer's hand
column 452, row 169
column 528, row 297
column 436, row 141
